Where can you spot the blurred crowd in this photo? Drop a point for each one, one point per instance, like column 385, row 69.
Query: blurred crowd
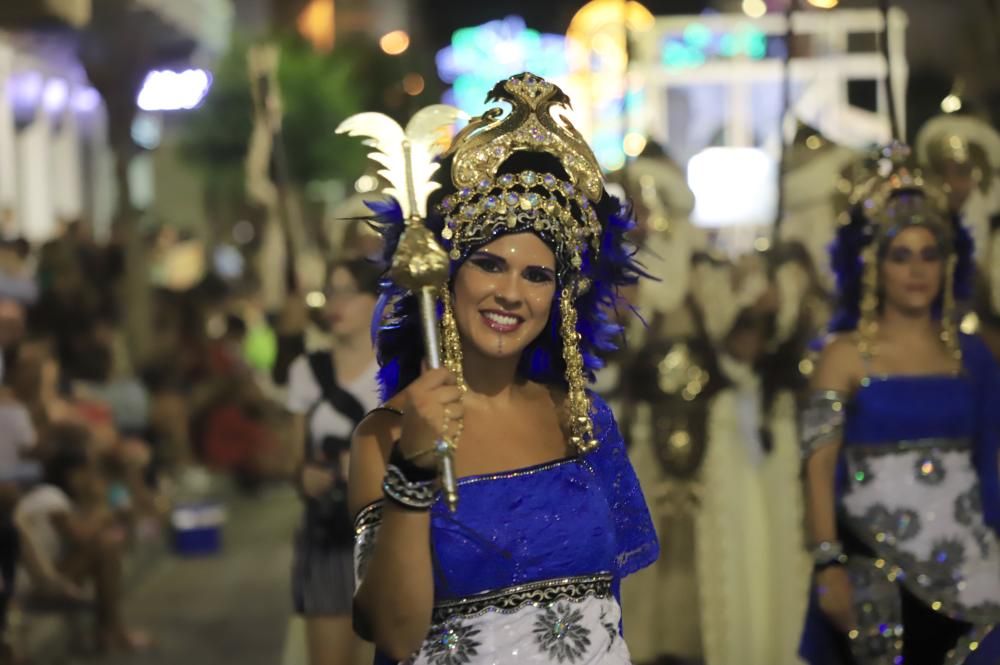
column 81, row 443
column 97, row 445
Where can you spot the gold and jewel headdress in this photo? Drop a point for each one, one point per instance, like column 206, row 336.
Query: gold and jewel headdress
column 486, row 203
column 560, row 209
column 962, row 139
column 896, row 194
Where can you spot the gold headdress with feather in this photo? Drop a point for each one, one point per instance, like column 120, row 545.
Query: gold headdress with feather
column 561, row 209
column 486, row 202
column 894, row 195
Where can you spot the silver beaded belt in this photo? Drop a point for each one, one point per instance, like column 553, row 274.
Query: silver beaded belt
column 512, row 599
column 908, row 445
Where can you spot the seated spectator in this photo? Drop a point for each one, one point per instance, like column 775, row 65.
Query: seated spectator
column 115, row 410
column 100, row 377
column 234, row 421
column 18, row 469
column 17, row 432
column 16, row 279
column 70, row 520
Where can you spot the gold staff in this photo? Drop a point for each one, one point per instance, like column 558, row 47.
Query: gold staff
column 419, row 264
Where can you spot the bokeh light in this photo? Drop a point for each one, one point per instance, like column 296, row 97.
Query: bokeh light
column 479, row 56
column 754, row 8
column 165, row 90
column 395, row 42
column 413, row 84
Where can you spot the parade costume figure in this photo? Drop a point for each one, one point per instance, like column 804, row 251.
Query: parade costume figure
column 550, row 516
column 712, row 434
column 964, row 152
column 901, row 442
column 812, row 167
column 660, row 603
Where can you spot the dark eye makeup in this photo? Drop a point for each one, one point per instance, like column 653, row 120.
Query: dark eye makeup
column 539, row 275
column 900, row 254
column 489, row 263
column 931, row 254
column 905, row 254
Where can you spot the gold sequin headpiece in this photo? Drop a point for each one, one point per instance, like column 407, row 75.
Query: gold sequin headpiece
column 965, row 140
column 895, row 195
column 486, row 204
column 891, row 173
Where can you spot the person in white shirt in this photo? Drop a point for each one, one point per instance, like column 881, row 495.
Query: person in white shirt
column 329, row 392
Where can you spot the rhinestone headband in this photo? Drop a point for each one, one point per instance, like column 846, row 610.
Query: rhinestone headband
column 526, row 201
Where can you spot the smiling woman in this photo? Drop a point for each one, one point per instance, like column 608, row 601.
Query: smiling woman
column 550, row 517
column 503, row 295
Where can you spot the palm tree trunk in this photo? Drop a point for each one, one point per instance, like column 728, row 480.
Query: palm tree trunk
column 135, row 291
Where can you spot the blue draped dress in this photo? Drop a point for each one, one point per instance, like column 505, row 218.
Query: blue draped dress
column 528, row 569
column 919, row 506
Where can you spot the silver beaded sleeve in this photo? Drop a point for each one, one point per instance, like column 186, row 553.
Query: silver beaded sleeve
column 822, row 421
column 366, row 526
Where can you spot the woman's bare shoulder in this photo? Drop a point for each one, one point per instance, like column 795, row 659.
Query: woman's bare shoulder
column 382, row 426
column 371, row 446
column 843, row 346
column 840, row 365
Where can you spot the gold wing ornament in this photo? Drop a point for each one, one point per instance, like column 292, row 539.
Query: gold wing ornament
column 408, row 157
column 408, row 161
